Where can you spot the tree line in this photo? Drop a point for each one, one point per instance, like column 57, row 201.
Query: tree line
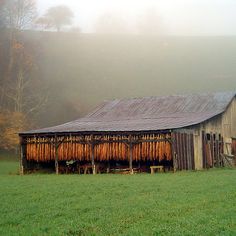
column 23, row 93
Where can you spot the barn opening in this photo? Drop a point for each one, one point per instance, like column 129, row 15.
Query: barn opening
column 100, row 153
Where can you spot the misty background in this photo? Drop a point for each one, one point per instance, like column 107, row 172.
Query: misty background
column 176, row 17
column 111, row 49
column 88, row 69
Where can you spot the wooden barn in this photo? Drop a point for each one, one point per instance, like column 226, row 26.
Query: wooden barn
column 180, row 132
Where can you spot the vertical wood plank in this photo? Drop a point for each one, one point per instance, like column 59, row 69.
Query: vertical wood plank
column 173, row 151
column 185, row 151
column 188, row 152
column 192, row 151
column 178, row 150
column 182, row 151
column 204, row 150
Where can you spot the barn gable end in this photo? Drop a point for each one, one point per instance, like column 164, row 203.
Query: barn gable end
column 223, row 125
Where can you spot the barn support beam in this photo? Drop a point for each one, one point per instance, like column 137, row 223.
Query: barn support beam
column 22, row 157
column 130, row 155
column 112, row 141
column 92, row 155
column 56, row 155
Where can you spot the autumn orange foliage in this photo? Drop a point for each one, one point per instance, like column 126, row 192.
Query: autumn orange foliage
column 10, row 124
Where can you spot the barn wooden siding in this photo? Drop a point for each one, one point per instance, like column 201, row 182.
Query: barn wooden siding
column 183, row 149
column 228, row 121
column 223, row 125
column 147, row 147
column 212, row 148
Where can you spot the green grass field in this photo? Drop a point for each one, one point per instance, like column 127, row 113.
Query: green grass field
column 184, row 203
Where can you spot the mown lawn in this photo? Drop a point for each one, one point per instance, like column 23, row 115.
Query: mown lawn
column 184, row 203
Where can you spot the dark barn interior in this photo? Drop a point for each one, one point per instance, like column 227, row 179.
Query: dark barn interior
column 98, row 153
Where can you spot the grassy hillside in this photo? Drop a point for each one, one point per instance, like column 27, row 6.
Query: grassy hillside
column 184, row 203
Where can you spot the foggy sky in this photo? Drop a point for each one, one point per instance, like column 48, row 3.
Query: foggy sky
column 179, row 17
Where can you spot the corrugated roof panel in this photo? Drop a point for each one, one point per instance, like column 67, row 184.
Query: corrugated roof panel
column 148, row 113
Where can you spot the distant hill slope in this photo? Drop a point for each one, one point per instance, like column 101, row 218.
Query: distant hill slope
column 87, row 69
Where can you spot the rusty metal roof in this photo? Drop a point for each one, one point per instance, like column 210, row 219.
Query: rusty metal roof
column 148, row 113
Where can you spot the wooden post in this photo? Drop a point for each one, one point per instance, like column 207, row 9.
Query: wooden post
column 130, row 155
column 56, row 155
column 213, row 149
column 204, row 148
column 92, row 155
column 219, row 159
column 21, row 157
